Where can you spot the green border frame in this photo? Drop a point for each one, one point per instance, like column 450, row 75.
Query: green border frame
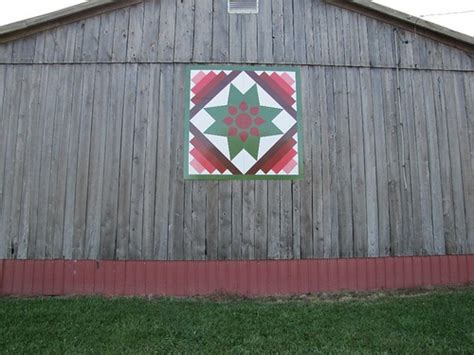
column 299, row 119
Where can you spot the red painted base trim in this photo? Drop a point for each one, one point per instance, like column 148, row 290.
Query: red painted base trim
column 247, row 278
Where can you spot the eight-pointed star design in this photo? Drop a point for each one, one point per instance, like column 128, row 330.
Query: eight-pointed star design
column 243, row 121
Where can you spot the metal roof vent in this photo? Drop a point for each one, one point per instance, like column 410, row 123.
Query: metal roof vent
column 242, row 6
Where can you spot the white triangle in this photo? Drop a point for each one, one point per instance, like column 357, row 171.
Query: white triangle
column 243, row 161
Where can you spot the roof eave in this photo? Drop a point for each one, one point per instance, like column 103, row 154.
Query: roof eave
column 61, row 17
column 409, row 22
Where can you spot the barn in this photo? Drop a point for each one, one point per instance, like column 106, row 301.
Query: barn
column 163, row 147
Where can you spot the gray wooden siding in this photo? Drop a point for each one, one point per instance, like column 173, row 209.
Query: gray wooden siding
column 91, row 143
column 289, row 31
column 93, row 169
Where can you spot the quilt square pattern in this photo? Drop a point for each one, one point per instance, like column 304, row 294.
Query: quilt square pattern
column 242, row 123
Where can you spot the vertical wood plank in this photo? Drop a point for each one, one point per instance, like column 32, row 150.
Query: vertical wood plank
column 306, row 207
column 308, row 30
column 357, row 155
column 434, row 164
column 326, row 138
column 235, row 37
column 237, row 220
column 184, row 36
column 6, row 51
column 167, row 30
column 468, row 89
column 322, row 30
column 120, row 34
column 125, row 164
column 110, row 189
column 198, row 235
column 5, row 75
column 12, row 101
column 330, row 188
column 220, row 31
column 289, row 33
column 441, row 114
column 36, row 144
column 466, row 161
column 175, row 243
column 151, row 163
column 300, row 40
column 59, row 166
column 60, row 45
column 41, row 44
column 374, row 38
column 278, row 31
column 410, row 170
column 24, row 50
column 54, row 246
column 319, row 100
column 138, row 162
column 370, row 163
column 151, row 23
column 21, row 188
column 95, row 184
column 264, row 32
column 135, row 33
column 383, row 239
column 423, row 164
column 212, row 219
column 225, row 220
column 456, row 165
column 106, row 37
column 363, row 40
column 286, row 220
column 248, row 220
column 90, row 44
column 344, row 183
column 273, row 239
column 261, row 227
column 202, row 46
column 160, row 249
column 43, row 239
column 70, row 40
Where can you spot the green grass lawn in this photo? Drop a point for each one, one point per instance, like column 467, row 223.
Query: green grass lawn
column 437, row 321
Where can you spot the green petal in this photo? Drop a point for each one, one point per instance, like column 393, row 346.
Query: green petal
column 269, row 113
column 251, row 97
column 251, row 146
column 268, row 129
column 235, row 146
column 218, row 128
column 235, row 96
column 218, row 113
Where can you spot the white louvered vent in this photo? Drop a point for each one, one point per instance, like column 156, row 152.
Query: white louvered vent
column 242, row 6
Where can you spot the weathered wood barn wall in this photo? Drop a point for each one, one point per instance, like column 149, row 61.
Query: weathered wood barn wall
column 91, row 138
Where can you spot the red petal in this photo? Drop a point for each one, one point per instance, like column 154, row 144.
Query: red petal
column 243, row 106
column 228, row 121
column 254, row 110
column 243, row 136
column 232, row 131
column 254, row 131
column 259, row 121
column 232, row 110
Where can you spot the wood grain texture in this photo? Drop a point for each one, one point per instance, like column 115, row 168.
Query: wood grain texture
column 91, row 145
column 307, row 31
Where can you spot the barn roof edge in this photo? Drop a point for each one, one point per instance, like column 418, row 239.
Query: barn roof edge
column 60, row 17
column 409, row 22
column 91, row 8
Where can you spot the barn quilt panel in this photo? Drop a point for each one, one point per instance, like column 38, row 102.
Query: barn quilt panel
column 242, row 123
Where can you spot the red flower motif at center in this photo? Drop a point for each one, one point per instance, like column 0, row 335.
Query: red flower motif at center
column 243, row 121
